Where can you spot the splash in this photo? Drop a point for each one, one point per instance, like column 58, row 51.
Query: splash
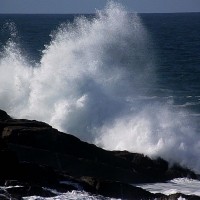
column 89, row 82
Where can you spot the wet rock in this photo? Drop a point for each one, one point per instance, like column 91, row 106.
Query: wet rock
column 37, row 155
column 117, row 189
column 4, row 115
column 63, row 188
column 4, row 195
column 23, row 191
column 12, row 183
column 36, row 174
column 177, row 171
column 40, row 191
column 179, row 196
column 156, row 170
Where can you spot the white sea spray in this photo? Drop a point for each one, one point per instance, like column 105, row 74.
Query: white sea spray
column 89, row 82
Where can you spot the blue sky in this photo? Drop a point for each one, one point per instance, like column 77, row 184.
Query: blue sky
column 89, row 6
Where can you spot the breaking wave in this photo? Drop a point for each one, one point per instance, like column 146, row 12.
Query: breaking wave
column 89, row 82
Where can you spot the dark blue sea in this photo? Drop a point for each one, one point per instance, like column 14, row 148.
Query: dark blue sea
column 118, row 80
column 175, row 38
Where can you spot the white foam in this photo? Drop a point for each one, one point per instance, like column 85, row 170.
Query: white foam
column 89, row 82
column 74, row 195
column 179, row 185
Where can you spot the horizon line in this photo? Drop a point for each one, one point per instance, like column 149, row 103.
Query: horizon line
column 178, row 12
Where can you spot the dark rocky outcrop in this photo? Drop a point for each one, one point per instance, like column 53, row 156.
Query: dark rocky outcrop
column 4, row 115
column 178, row 196
column 35, row 155
column 117, row 189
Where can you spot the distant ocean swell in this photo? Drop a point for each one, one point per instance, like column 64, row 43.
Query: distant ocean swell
column 89, row 83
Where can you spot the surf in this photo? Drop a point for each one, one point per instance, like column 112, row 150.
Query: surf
column 94, row 80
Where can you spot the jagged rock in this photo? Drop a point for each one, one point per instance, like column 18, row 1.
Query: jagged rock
column 149, row 170
column 4, row 115
column 179, row 196
column 23, row 191
column 177, row 171
column 47, row 146
column 154, row 170
column 117, row 189
column 36, row 155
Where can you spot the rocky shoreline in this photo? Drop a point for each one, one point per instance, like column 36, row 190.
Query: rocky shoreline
column 34, row 157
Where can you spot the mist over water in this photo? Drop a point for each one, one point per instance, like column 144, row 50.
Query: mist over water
column 94, row 81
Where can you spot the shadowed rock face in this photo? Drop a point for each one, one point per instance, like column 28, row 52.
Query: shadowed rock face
column 4, row 115
column 34, row 153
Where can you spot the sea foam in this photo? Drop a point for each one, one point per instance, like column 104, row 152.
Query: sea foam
column 89, row 82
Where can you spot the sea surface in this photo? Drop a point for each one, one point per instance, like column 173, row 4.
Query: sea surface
column 115, row 79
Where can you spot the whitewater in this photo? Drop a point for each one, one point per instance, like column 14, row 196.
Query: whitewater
column 94, row 80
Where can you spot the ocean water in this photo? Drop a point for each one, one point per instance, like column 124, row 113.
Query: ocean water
column 115, row 79
column 178, row 185
column 183, row 185
column 74, row 195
